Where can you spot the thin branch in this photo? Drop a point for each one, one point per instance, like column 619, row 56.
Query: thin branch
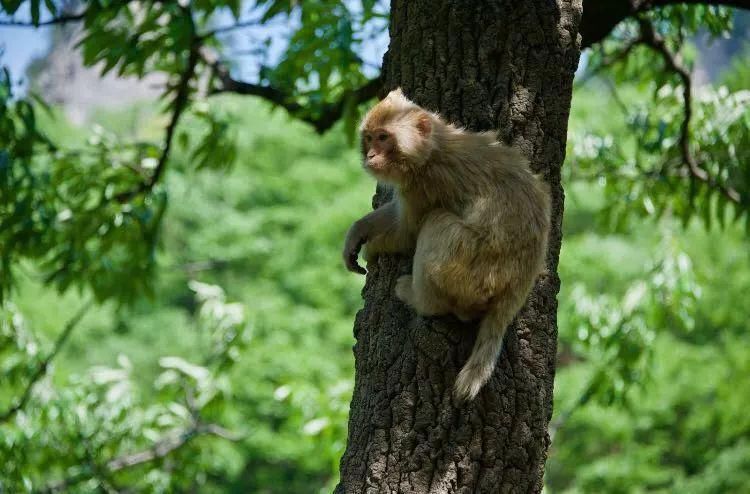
column 561, row 418
column 167, row 445
column 607, row 62
column 231, row 27
column 324, row 120
column 179, row 104
column 207, row 265
column 41, row 370
column 160, row 449
column 653, row 40
column 600, row 17
column 63, row 19
column 616, row 96
column 98, row 473
column 219, row 431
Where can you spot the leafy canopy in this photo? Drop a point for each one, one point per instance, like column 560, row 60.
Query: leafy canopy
column 89, row 212
column 682, row 151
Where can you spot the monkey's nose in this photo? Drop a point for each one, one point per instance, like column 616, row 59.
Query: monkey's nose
column 371, row 154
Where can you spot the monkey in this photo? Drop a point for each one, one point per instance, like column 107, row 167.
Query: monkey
column 468, row 208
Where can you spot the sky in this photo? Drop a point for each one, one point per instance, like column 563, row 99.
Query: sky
column 21, row 45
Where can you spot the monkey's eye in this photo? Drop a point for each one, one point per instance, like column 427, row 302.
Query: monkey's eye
column 382, row 137
column 368, row 138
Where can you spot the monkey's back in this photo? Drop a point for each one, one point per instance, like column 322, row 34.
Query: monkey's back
column 503, row 206
column 508, row 210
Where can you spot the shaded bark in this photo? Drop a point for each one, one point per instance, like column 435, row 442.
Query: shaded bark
column 493, row 64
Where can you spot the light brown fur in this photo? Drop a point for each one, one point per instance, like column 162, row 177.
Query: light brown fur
column 469, row 207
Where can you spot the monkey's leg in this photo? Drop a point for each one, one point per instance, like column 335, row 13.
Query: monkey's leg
column 418, row 290
column 447, row 273
column 420, row 297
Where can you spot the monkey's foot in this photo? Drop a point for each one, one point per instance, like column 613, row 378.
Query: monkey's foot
column 404, row 290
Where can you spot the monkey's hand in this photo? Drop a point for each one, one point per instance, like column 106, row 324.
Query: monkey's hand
column 355, row 238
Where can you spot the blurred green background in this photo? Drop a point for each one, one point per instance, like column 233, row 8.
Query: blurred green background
column 249, row 323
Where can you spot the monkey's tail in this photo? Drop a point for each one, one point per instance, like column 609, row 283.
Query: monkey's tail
column 478, row 369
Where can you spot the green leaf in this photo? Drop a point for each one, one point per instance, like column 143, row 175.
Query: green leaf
column 196, row 372
column 10, row 6
column 34, row 8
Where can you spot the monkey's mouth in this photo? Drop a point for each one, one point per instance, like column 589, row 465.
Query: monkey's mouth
column 375, row 165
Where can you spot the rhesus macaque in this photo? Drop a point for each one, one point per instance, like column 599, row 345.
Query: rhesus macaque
column 472, row 212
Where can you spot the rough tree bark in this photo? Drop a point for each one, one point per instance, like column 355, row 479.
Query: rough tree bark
column 506, row 65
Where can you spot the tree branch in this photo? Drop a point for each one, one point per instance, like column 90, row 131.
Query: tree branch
column 600, row 17
column 158, row 450
column 653, row 40
column 41, row 370
column 231, row 27
column 562, row 417
column 324, row 120
column 614, row 58
column 167, row 445
column 63, row 19
column 179, row 104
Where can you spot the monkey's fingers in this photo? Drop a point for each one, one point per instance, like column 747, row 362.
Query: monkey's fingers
column 352, row 264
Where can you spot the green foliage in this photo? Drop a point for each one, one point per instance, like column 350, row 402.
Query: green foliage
column 322, row 57
column 283, row 213
column 267, row 229
column 137, row 41
column 81, row 212
column 98, row 431
column 59, row 207
column 660, row 164
column 91, row 214
column 737, row 76
column 616, row 332
column 676, row 24
column 644, row 173
column 652, row 372
column 683, row 21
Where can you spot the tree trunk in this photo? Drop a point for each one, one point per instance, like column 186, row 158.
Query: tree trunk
column 497, row 64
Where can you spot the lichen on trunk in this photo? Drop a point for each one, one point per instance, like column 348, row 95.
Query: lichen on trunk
column 505, row 65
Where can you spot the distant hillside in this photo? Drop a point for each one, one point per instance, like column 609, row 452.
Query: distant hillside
column 61, row 78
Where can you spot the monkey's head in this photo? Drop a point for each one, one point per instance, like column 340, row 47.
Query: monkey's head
column 396, row 139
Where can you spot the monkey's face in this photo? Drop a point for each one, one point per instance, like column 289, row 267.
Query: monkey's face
column 379, row 150
column 396, row 139
column 396, row 153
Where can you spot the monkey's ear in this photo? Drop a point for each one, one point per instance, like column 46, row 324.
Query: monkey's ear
column 397, row 97
column 424, row 125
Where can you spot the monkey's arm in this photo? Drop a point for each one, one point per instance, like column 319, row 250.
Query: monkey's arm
column 382, row 232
